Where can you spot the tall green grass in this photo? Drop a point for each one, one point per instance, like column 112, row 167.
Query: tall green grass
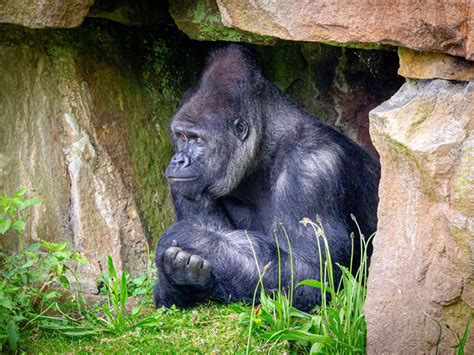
column 336, row 326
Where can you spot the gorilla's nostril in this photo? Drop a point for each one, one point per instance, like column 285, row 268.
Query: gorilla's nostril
column 181, row 160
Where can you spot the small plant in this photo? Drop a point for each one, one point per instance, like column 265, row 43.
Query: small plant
column 116, row 315
column 463, row 341
column 338, row 324
column 115, row 318
column 29, row 279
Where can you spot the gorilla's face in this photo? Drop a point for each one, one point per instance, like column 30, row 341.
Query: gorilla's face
column 210, row 148
column 216, row 130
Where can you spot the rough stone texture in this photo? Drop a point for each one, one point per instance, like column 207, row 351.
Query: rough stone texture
column 82, row 129
column 46, row 13
column 430, row 65
column 441, row 26
column 130, row 12
column 422, row 271
column 201, row 20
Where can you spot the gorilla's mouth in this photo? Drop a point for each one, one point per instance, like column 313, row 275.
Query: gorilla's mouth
column 181, row 178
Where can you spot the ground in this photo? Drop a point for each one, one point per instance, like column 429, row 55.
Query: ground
column 212, row 328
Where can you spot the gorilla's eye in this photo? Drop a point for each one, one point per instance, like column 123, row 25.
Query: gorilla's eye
column 240, row 127
column 199, row 140
column 182, row 137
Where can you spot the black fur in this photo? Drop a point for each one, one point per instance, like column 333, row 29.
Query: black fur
column 248, row 161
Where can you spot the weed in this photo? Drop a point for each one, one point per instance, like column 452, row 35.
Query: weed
column 337, row 326
column 29, row 278
column 463, row 341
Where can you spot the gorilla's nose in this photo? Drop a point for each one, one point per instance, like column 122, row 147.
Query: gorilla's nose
column 180, row 160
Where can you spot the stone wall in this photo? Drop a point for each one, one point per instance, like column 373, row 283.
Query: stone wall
column 421, row 285
column 84, row 125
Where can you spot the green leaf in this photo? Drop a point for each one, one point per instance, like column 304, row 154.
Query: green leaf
column 136, row 310
column 65, row 281
column 5, row 225
column 110, row 264
column 81, row 259
column 34, row 247
column 315, row 284
column 19, row 225
column 12, row 334
column 123, row 292
column 6, row 303
column 51, row 295
column 28, row 264
column 21, row 192
column 148, row 322
column 29, row 202
column 53, row 246
column 107, row 313
column 81, row 333
column 60, row 246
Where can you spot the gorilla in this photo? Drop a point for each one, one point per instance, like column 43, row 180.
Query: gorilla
column 248, row 162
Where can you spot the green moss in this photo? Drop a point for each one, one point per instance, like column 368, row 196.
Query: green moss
column 201, row 19
column 361, row 45
column 169, row 69
column 149, row 152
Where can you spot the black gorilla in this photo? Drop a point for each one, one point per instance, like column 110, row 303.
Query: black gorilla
column 247, row 162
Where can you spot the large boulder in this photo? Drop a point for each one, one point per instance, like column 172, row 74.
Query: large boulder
column 425, row 25
column 84, row 125
column 47, row 13
column 430, row 65
column 421, row 280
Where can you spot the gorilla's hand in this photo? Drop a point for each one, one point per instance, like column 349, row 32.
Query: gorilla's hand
column 183, row 268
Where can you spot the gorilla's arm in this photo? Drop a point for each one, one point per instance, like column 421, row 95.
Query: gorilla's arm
column 235, row 259
column 202, row 208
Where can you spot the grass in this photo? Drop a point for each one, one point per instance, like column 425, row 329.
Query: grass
column 336, row 326
column 212, row 328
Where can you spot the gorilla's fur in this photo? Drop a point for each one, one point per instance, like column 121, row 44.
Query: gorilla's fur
column 247, row 162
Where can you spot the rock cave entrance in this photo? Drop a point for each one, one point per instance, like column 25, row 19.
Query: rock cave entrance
column 86, row 103
column 110, row 89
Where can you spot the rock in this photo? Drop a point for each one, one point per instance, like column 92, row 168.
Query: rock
column 47, row 13
column 131, row 12
column 423, row 25
column 201, row 20
column 421, row 275
column 84, row 125
column 430, row 65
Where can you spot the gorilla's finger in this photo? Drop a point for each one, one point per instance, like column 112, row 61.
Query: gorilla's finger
column 205, row 270
column 181, row 260
column 170, row 254
column 195, row 264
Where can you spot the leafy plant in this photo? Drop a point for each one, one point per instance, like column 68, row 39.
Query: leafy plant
column 115, row 316
column 29, row 279
column 338, row 324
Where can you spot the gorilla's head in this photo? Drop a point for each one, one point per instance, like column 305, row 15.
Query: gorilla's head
column 216, row 131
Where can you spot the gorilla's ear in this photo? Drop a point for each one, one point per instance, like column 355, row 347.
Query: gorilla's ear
column 240, row 128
